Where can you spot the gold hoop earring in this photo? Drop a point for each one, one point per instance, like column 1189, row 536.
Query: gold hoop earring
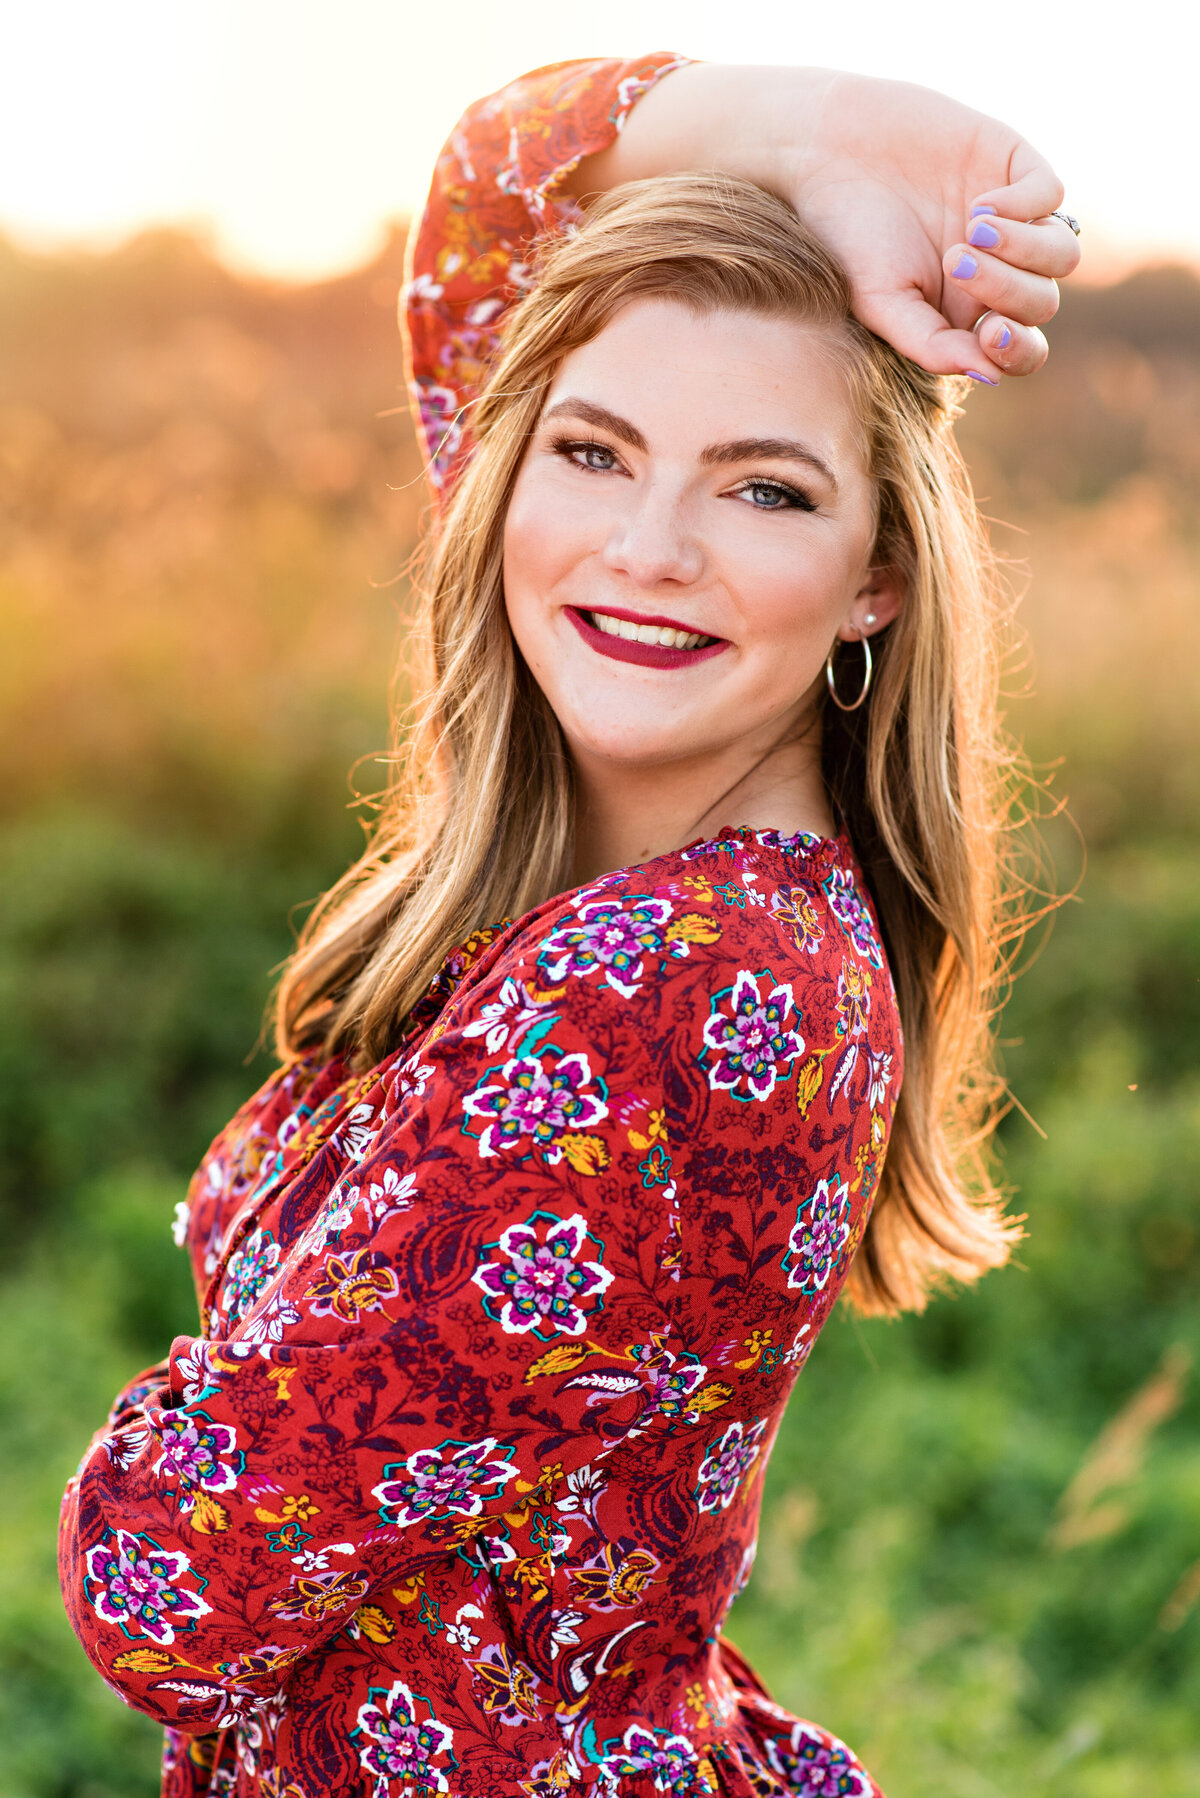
column 866, row 685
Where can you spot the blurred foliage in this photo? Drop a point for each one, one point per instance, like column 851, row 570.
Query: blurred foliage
column 981, row 1550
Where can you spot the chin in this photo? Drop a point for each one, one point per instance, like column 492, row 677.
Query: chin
column 643, row 745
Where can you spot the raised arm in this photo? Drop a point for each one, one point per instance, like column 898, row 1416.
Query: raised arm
column 939, row 214
column 497, row 186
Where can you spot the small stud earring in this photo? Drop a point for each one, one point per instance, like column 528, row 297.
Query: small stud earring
column 869, row 619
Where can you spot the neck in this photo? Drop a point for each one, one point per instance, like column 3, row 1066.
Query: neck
column 629, row 815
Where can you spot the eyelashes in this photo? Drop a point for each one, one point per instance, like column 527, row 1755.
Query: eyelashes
column 794, row 499
column 593, row 457
column 571, row 448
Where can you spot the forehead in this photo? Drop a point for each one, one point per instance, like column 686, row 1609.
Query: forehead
column 688, row 378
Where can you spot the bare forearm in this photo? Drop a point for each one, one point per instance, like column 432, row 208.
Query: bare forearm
column 749, row 121
column 894, row 178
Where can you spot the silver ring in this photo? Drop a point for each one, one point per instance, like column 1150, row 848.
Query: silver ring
column 1067, row 220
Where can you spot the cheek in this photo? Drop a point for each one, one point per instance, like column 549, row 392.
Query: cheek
column 793, row 594
column 543, row 541
column 524, row 548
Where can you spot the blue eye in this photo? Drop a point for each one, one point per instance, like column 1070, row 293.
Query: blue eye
column 596, row 457
column 774, row 496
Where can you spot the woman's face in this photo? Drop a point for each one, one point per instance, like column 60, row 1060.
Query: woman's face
column 691, row 528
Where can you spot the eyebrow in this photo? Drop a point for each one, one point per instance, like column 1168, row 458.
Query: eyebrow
column 775, row 449
column 742, row 449
column 602, row 418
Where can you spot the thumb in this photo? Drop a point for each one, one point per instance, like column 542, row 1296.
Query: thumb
column 911, row 325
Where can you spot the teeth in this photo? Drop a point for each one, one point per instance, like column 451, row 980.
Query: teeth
column 658, row 635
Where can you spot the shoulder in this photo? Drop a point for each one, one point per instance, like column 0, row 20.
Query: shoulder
column 796, row 907
column 697, row 1057
column 698, row 983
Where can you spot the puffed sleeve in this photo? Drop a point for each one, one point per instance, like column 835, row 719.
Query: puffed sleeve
column 495, row 189
column 643, row 1132
column 451, row 1326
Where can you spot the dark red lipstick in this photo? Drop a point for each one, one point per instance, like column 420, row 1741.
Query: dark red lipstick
column 650, row 655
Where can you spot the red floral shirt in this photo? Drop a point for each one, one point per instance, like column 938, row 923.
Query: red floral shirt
column 455, row 1488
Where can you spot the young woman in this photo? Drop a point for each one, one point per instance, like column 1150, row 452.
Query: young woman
column 590, row 1066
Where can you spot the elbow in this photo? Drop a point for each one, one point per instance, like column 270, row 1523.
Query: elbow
column 170, row 1680
column 140, row 1615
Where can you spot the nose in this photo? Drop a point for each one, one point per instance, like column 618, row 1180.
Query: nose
column 655, row 540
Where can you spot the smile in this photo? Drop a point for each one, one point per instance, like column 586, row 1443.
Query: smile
column 653, row 642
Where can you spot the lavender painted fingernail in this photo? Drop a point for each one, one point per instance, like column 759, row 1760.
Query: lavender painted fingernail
column 983, row 235
column 987, row 380
column 1004, row 339
column 965, row 268
column 976, row 210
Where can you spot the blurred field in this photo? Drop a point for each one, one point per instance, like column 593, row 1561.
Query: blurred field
column 981, row 1556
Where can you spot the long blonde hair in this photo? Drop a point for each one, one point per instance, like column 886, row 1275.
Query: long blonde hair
column 478, row 823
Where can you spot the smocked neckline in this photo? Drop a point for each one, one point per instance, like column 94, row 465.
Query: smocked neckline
column 800, row 842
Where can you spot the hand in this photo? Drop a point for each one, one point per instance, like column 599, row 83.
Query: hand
column 895, row 178
column 889, row 175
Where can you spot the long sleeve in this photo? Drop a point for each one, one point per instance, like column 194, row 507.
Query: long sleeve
column 495, row 189
column 590, row 1179
column 450, row 1324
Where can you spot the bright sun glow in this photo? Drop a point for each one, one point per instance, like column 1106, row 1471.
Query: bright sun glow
column 292, row 131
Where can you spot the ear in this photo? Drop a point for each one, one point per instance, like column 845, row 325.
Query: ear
column 880, row 598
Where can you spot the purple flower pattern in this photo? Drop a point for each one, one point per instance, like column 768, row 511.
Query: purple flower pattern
column 433, row 1483
column 134, row 1583
column 195, row 1452
column 846, row 904
column 671, row 1761
column 536, row 1101
column 819, row 1237
column 815, row 1765
column 726, row 1465
column 752, row 1042
column 398, row 1749
column 541, row 1280
column 612, row 936
column 250, row 1268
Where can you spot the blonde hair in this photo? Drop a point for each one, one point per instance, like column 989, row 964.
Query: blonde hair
column 478, row 822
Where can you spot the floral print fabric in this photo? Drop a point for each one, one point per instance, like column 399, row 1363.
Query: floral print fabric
column 454, row 1489
column 495, row 190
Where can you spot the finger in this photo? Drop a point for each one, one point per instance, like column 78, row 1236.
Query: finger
column 1044, row 246
column 1016, row 349
column 1034, row 192
column 998, row 287
column 911, row 325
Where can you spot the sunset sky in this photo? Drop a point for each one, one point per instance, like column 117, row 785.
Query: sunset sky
column 293, row 131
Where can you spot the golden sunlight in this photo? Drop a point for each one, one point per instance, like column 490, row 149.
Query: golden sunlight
column 291, row 132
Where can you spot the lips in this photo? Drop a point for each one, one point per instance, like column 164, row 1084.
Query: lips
column 648, row 655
